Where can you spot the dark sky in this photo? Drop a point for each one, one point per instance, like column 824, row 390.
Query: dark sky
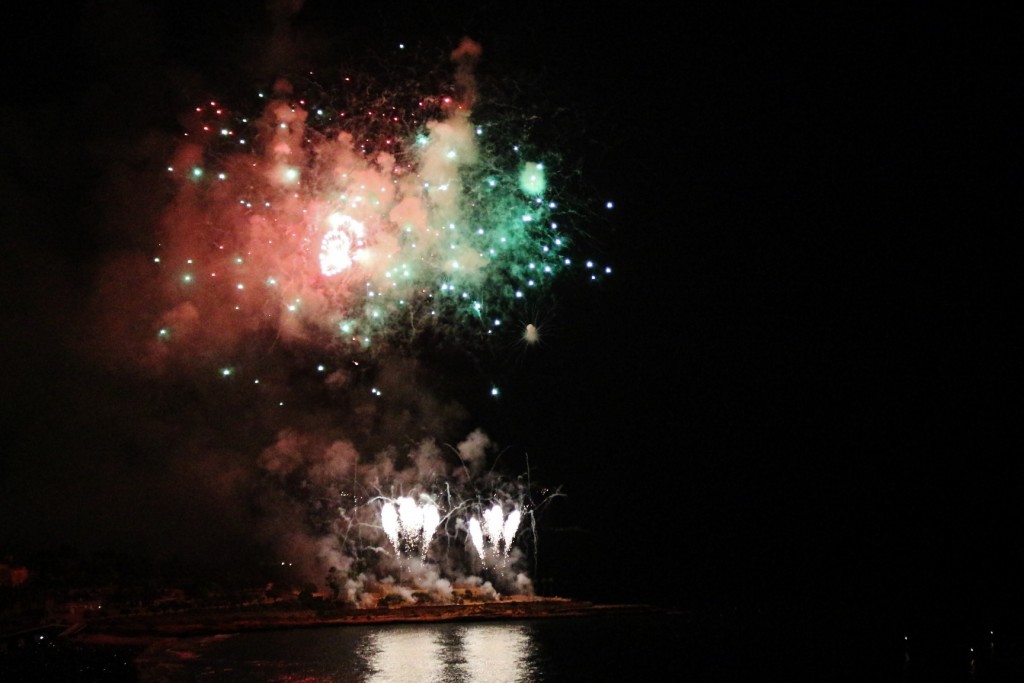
column 800, row 381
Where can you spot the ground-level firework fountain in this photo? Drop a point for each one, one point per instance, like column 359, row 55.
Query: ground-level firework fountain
column 430, row 525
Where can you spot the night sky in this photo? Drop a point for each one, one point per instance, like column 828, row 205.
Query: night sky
column 797, row 387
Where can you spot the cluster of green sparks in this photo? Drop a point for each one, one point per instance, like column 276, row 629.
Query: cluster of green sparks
column 360, row 219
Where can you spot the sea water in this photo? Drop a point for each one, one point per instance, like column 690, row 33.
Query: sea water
column 611, row 647
column 654, row 645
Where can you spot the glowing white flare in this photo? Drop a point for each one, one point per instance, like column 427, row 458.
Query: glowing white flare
column 494, row 521
column 508, row 532
column 410, row 525
column 410, row 518
column 476, row 534
column 337, row 245
column 389, row 520
column 335, row 252
column 431, row 520
column 498, row 531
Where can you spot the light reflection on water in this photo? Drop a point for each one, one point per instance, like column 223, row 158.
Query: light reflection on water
column 403, row 655
column 481, row 653
column 494, row 651
column 422, row 653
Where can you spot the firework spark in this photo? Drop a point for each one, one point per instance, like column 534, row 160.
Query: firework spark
column 359, row 221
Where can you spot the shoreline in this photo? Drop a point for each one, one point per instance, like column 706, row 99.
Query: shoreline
column 130, row 629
